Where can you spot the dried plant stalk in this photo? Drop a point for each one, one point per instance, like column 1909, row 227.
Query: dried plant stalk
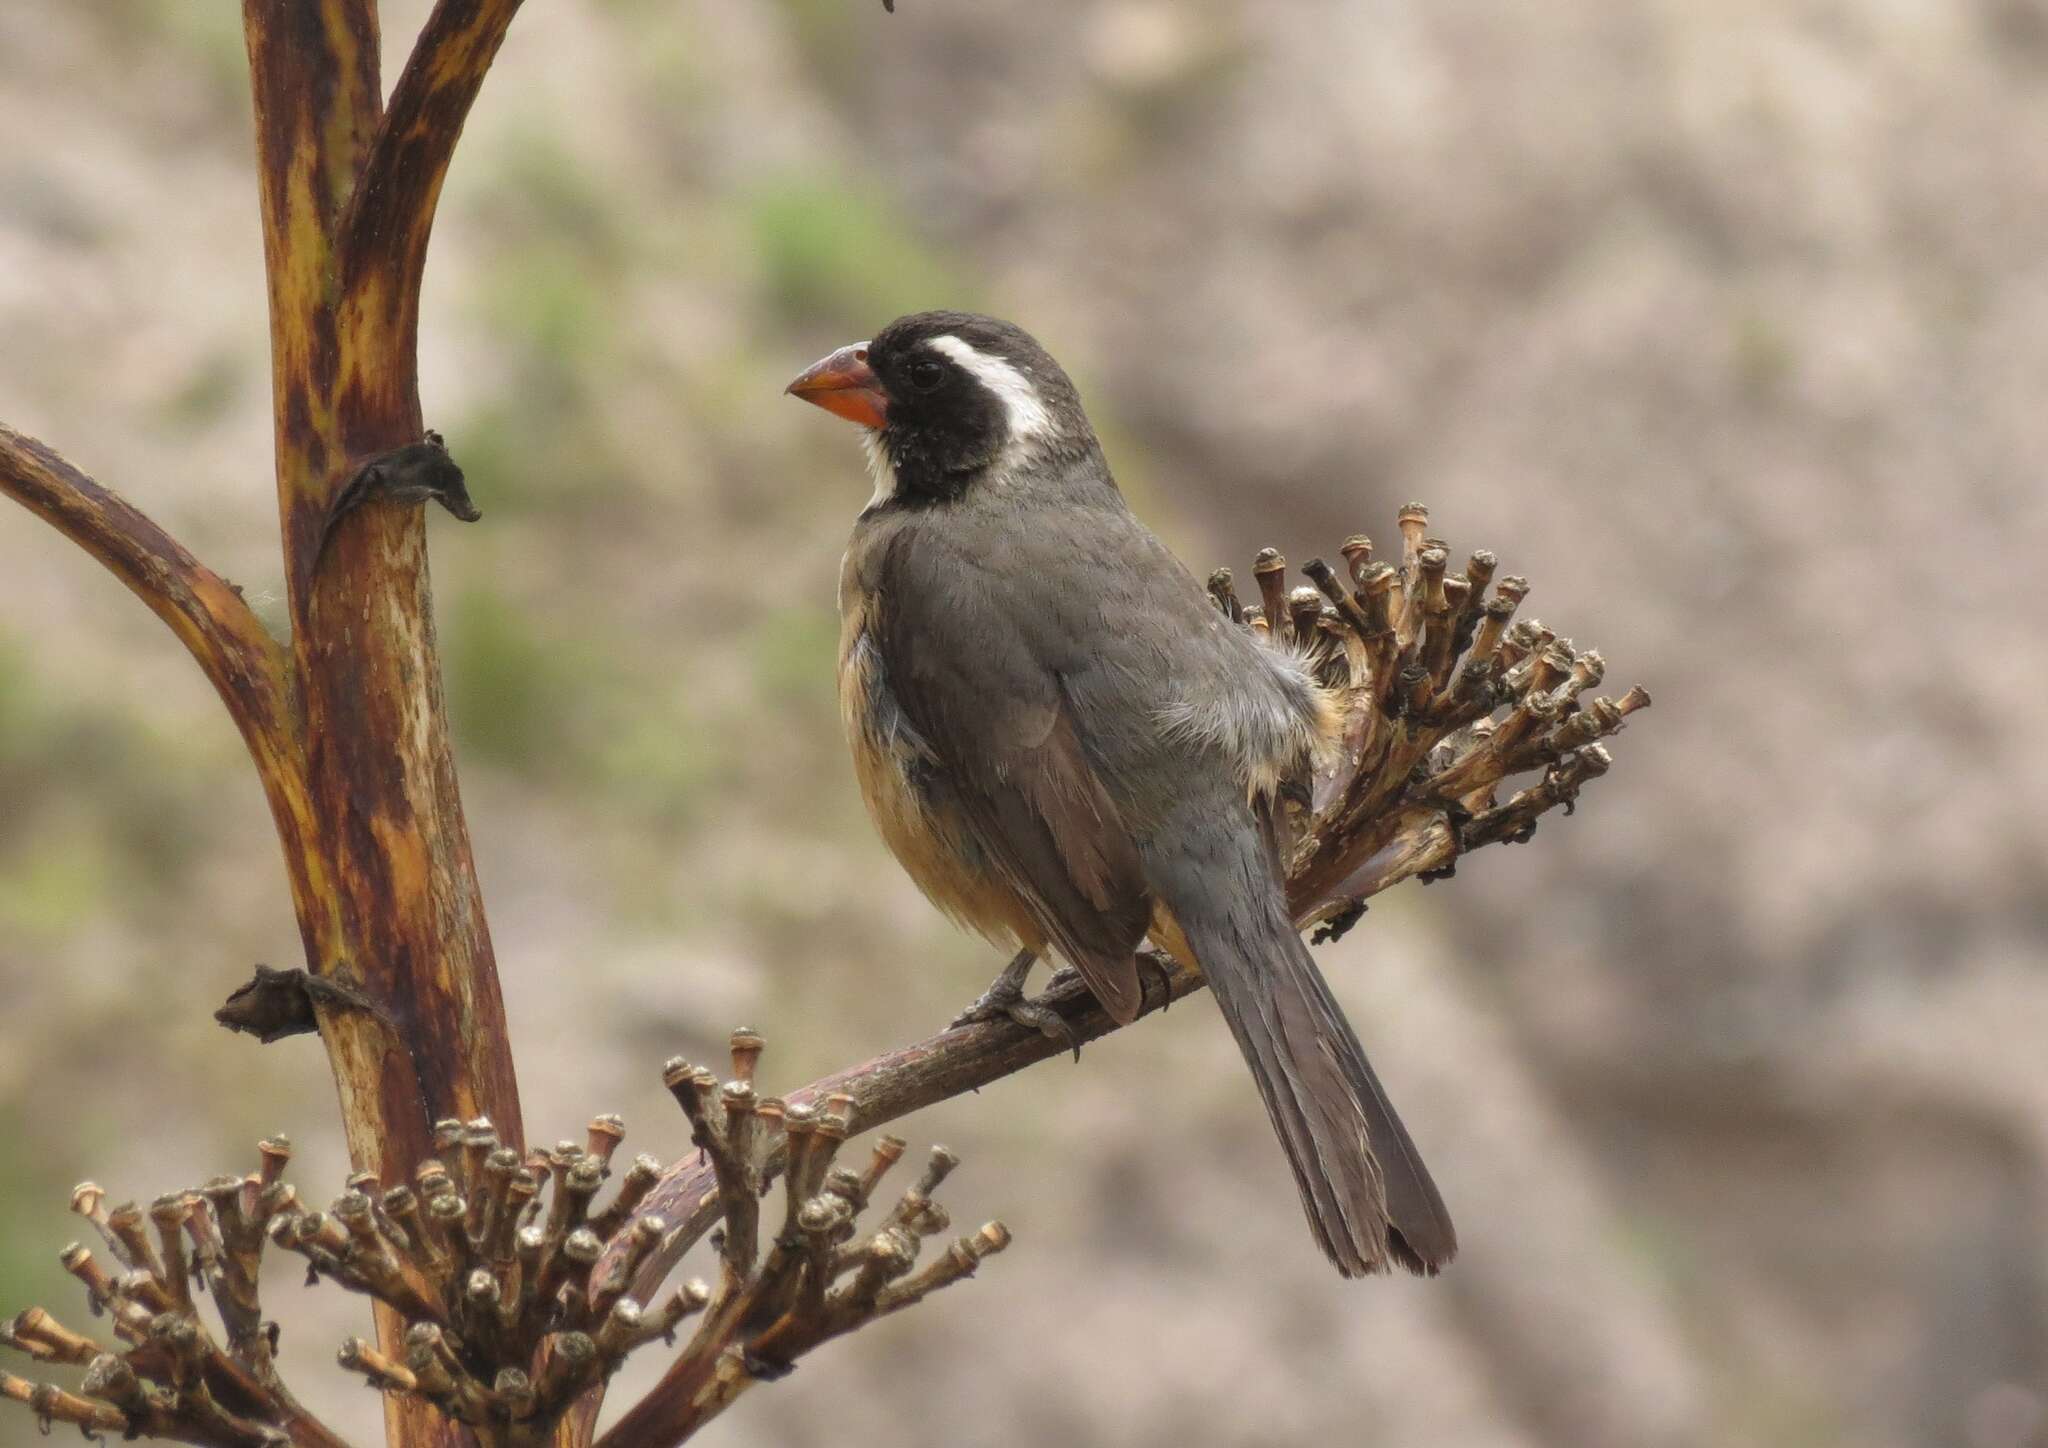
column 513, row 1304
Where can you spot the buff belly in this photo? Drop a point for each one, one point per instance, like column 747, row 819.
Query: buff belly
column 905, row 791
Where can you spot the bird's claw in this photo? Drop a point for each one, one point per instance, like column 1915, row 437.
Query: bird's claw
column 1005, row 1002
column 992, row 1003
column 1154, row 967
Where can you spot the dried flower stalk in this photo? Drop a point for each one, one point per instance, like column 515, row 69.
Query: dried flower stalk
column 516, row 1298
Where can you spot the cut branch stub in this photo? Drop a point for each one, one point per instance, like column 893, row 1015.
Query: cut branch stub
column 418, row 472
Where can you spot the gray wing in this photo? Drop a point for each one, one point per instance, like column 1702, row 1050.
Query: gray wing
column 959, row 655
column 1178, row 709
column 1180, row 714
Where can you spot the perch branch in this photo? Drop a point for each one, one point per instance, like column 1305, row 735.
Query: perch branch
column 508, row 1298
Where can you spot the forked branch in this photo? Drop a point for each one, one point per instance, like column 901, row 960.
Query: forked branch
column 384, row 231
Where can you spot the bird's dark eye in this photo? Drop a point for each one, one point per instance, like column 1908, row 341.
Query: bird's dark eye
column 926, row 375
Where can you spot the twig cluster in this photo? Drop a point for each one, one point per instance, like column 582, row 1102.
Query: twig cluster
column 173, row 1377
column 819, row 1277
column 1443, row 695
column 514, row 1284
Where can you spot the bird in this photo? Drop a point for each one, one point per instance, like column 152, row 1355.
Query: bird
column 1069, row 748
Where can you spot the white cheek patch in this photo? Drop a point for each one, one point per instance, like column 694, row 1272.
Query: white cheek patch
column 879, row 467
column 1029, row 419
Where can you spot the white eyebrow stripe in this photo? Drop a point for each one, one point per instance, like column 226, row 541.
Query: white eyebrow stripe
column 1029, row 419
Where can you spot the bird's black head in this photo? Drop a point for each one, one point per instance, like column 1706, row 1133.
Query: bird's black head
column 949, row 397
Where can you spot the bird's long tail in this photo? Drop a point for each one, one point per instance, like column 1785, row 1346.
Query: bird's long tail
column 1369, row 1198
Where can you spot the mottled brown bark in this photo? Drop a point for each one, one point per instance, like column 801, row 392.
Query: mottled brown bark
column 346, row 726
column 348, row 198
column 241, row 660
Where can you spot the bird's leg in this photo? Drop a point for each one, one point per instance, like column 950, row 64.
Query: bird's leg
column 1005, row 992
column 1004, row 1000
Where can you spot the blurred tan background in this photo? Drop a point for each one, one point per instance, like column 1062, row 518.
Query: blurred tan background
column 1727, row 324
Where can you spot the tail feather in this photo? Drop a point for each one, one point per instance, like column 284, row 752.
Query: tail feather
column 1369, row 1199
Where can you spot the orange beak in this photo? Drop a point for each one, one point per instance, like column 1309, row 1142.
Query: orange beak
column 844, row 384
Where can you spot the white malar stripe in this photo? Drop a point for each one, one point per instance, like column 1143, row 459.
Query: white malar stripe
column 879, row 468
column 1029, row 420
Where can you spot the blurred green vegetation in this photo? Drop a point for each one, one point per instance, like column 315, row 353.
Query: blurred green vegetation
column 1763, row 357
column 31, row 1223
column 592, row 718
column 67, row 853
column 210, row 392
column 832, row 41
column 542, row 190
column 786, row 647
column 546, row 295
column 517, row 698
column 830, row 252
column 210, row 33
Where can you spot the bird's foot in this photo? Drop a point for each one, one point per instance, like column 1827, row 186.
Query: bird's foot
column 1005, row 1001
column 1155, row 968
